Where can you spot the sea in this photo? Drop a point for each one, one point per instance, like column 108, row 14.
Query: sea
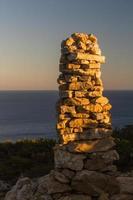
column 32, row 114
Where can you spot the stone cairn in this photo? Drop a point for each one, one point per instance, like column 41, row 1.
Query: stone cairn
column 84, row 156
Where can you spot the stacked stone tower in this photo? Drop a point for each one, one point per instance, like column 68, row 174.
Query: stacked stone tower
column 84, row 156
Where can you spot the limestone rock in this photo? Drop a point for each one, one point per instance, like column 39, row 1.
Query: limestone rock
column 81, row 45
column 69, row 41
column 80, row 94
column 101, row 162
column 91, row 146
column 104, row 196
column 102, row 100
column 94, row 108
column 74, row 134
column 110, row 155
column 97, row 116
column 81, row 122
column 79, row 86
column 70, row 66
column 67, row 130
column 68, row 173
column 90, row 66
column 97, row 133
column 76, row 197
column 62, row 124
column 96, row 164
column 94, row 183
column 58, row 195
column 93, row 70
column 70, row 78
column 126, row 184
column 59, row 176
column 107, row 107
column 74, row 66
column 41, row 192
column 95, row 94
column 76, row 101
column 122, row 197
column 80, row 36
column 80, row 115
column 66, row 138
column 42, row 188
column 21, row 191
column 92, row 37
column 64, row 159
column 55, row 186
column 67, row 109
column 44, row 197
column 110, row 170
column 90, row 134
column 85, row 56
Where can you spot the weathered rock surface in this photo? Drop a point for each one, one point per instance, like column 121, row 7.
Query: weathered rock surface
column 91, row 146
column 76, row 197
column 56, row 186
column 102, row 161
column 64, row 159
column 94, row 183
column 85, row 56
column 70, row 135
column 122, row 197
column 126, row 184
column 59, row 176
column 85, row 182
column 68, row 173
column 23, row 190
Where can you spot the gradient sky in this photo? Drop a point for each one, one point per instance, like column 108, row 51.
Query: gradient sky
column 31, row 32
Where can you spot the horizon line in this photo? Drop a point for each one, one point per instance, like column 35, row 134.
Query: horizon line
column 39, row 90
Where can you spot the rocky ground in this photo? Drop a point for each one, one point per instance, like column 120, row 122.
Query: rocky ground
column 35, row 188
column 30, row 189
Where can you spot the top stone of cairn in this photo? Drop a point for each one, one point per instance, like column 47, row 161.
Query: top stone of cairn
column 82, row 46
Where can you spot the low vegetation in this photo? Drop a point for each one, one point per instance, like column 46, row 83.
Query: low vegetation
column 31, row 158
column 124, row 146
column 34, row 158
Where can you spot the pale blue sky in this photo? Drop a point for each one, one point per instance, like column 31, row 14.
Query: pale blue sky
column 31, row 32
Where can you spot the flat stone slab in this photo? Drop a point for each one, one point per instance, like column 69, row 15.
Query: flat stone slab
column 100, row 145
column 86, row 56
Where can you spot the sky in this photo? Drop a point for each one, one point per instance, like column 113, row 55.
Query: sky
column 31, row 32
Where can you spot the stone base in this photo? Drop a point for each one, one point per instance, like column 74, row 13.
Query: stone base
column 66, row 185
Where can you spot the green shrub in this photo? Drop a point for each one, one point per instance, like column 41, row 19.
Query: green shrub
column 27, row 157
column 124, row 146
